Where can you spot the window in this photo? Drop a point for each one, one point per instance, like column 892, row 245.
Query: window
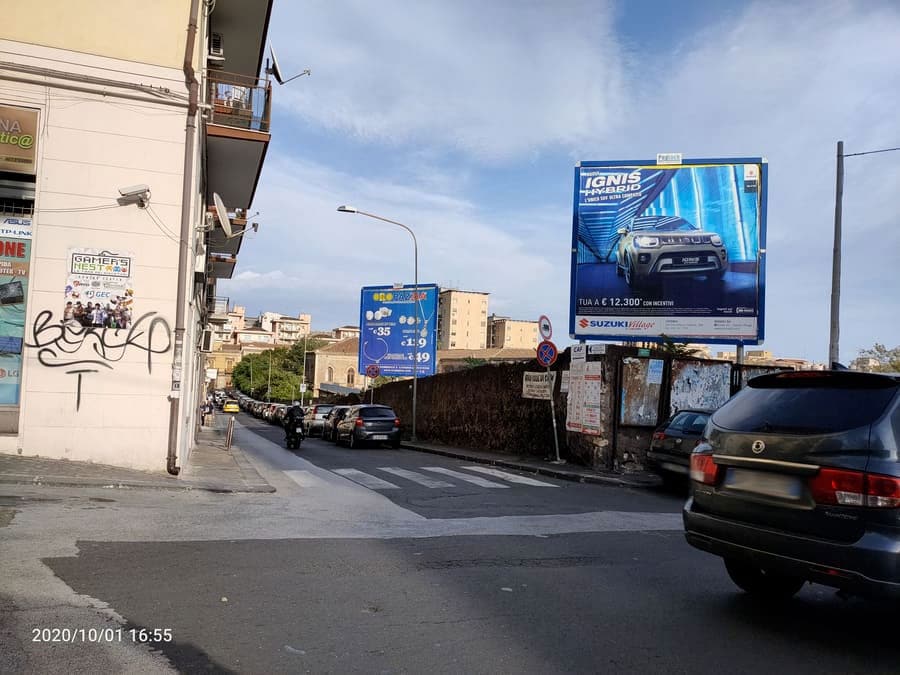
column 330, row 374
column 351, row 375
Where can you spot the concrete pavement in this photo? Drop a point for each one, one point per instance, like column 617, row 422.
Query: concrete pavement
column 211, row 467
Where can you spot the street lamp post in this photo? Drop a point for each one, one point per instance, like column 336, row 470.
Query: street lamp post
column 351, row 209
column 834, row 337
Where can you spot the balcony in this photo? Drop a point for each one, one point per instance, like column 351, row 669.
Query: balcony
column 239, row 102
column 237, row 136
column 217, row 309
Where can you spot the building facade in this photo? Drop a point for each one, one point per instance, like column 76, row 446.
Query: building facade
column 504, row 332
column 333, row 368
column 113, row 140
column 462, row 319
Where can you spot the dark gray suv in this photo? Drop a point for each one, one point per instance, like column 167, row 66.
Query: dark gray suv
column 797, row 479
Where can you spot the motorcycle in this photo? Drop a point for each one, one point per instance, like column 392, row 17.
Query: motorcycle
column 293, row 436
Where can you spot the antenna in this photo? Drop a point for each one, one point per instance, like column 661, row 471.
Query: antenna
column 275, row 70
column 225, row 221
column 222, row 214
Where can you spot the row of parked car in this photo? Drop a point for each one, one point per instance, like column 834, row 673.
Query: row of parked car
column 354, row 425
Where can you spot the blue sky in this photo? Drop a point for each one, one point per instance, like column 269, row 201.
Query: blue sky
column 464, row 121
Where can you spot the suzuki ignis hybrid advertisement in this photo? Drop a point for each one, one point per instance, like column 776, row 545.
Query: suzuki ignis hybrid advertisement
column 674, row 249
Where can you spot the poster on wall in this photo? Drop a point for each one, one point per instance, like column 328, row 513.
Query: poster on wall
column 669, row 249
column 15, row 256
column 99, row 291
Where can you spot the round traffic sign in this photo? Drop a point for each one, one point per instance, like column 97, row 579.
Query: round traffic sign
column 373, row 371
column 545, row 327
column 547, row 353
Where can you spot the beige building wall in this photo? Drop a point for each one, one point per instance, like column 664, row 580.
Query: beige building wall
column 509, row 333
column 89, row 145
column 462, row 320
column 130, row 30
column 336, row 369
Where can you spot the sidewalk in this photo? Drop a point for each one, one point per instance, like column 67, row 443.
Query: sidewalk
column 210, row 467
column 572, row 472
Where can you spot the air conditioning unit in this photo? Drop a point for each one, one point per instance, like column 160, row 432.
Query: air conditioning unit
column 206, row 341
column 216, row 56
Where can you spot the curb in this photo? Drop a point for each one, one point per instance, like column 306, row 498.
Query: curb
column 74, row 481
column 540, row 470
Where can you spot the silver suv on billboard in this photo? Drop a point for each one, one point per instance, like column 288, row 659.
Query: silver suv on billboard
column 654, row 247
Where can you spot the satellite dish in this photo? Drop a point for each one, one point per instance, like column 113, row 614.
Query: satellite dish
column 222, row 214
column 275, row 70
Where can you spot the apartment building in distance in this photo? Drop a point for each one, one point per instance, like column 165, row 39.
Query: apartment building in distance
column 286, row 330
column 506, row 333
column 462, row 319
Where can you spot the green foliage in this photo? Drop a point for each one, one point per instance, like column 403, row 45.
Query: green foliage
column 672, row 348
column 253, row 376
column 472, row 362
column 888, row 359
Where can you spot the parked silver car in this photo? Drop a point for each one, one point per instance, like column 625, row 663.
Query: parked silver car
column 653, row 247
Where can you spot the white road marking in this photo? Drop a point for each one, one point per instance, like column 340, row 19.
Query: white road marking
column 366, row 480
column 511, row 477
column 477, row 480
column 415, row 477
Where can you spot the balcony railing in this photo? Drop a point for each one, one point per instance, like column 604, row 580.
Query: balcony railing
column 239, row 101
column 217, row 305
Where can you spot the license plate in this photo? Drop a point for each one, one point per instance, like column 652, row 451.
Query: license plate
column 764, row 483
column 379, row 437
column 298, row 430
column 693, row 260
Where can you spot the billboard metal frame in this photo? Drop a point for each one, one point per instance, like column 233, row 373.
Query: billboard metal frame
column 761, row 254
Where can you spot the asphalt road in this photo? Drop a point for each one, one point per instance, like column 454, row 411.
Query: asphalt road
column 450, row 488
column 329, row 575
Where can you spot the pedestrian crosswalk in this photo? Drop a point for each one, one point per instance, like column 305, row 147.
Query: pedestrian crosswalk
column 448, row 478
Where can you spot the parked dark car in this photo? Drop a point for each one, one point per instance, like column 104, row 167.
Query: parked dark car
column 798, row 479
column 369, row 424
column 332, row 417
column 314, row 419
column 672, row 442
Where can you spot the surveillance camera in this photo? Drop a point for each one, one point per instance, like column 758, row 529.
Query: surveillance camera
column 134, row 190
column 255, row 227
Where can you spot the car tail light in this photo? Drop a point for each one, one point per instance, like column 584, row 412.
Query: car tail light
column 396, row 421
column 659, row 436
column 704, row 469
column 359, row 421
column 855, row 488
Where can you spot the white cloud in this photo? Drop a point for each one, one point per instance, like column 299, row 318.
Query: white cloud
column 455, row 86
column 494, row 79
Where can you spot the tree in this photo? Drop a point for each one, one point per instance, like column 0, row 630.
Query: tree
column 676, row 349
column 888, row 359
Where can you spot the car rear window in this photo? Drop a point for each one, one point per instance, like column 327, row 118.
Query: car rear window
column 803, row 403
column 370, row 413
column 693, row 422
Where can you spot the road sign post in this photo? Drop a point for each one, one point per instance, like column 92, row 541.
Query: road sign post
column 546, row 356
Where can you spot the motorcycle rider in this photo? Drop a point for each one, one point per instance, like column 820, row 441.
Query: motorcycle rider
column 293, row 420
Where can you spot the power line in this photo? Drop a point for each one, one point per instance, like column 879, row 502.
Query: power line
column 870, row 152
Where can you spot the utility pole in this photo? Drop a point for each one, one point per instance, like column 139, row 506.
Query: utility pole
column 303, row 378
column 269, row 385
column 834, row 340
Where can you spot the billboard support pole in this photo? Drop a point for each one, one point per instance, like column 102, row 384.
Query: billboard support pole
column 833, row 343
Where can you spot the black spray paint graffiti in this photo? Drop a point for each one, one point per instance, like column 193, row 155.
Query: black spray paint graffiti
column 55, row 340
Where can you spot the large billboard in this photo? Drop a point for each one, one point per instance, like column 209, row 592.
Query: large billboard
column 669, row 249
column 395, row 329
